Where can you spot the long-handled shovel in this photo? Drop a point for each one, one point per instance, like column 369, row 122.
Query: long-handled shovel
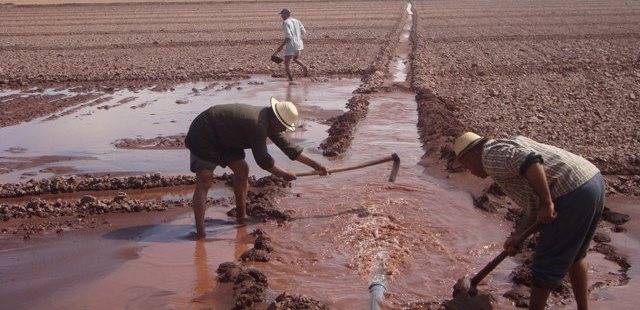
column 471, row 287
column 392, row 177
column 465, row 291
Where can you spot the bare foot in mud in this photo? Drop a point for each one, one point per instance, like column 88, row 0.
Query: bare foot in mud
column 194, row 236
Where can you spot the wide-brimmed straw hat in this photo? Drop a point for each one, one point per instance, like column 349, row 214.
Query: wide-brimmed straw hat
column 466, row 142
column 285, row 112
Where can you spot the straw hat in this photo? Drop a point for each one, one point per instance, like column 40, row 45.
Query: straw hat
column 466, row 142
column 285, row 112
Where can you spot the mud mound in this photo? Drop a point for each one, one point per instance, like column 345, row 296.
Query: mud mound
column 157, row 143
column 626, row 185
column 17, row 109
column 437, row 124
column 261, row 248
column 286, row 301
column 262, row 201
column 249, row 284
column 341, row 132
column 62, row 215
column 263, row 205
column 56, row 185
column 343, row 126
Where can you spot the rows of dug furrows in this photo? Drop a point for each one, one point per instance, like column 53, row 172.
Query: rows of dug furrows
column 184, row 41
column 565, row 73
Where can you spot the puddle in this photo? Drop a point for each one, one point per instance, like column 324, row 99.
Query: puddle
column 89, row 132
column 136, row 267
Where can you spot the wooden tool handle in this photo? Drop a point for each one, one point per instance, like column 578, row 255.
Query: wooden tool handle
column 392, row 157
column 496, row 261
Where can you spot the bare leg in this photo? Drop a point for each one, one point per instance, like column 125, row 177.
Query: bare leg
column 204, row 178
column 579, row 283
column 304, row 67
column 287, row 63
column 240, row 187
column 538, row 299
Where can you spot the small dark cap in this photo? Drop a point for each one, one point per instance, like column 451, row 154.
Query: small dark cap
column 284, row 11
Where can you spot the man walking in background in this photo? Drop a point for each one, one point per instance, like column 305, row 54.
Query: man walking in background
column 293, row 46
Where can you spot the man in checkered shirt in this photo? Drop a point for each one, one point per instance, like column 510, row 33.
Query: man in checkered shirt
column 559, row 189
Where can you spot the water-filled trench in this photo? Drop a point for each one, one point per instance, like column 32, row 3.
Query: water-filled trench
column 417, row 235
column 351, row 228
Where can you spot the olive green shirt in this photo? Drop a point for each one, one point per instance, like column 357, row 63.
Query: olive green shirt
column 237, row 127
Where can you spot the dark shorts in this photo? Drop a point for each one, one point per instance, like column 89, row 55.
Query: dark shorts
column 223, row 158
column 566, row 240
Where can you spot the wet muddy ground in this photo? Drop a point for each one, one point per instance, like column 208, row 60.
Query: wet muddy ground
column 111, row 192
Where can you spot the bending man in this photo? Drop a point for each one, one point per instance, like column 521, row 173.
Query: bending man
column 562, row 190
column 218, row 137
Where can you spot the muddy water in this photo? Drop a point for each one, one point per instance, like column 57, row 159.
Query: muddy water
column 400, row 68
column 353, row 225
column 84, row 137
column 162, row 268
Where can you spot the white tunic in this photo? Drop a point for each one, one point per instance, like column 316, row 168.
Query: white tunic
column 293, row 30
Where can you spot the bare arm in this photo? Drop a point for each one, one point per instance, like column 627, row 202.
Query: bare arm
column 312, row 163
column 275, row 170
column 281, row 46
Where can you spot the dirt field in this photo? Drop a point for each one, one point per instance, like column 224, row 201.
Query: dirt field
column 565, row 73
column 182, row 41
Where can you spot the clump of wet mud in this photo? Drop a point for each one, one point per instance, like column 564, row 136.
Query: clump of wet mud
column 624, row 185
column 262, row 201
column 87, row 205
column 62, row 215
column 74, row 183
column 249, row 284
column 437, row 125
column 157, row 143
column 261, row 248
column 343, row 127
column 287, row 301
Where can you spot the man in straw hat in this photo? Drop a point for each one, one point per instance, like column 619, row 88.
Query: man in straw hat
column 218, row 137
column 561, row 190
column 292, row 44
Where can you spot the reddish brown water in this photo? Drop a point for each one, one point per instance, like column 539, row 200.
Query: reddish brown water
column 355, row 227
column 418, row 235
column 83, row 139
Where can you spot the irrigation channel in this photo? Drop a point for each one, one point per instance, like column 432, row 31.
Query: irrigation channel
column 350, row 230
